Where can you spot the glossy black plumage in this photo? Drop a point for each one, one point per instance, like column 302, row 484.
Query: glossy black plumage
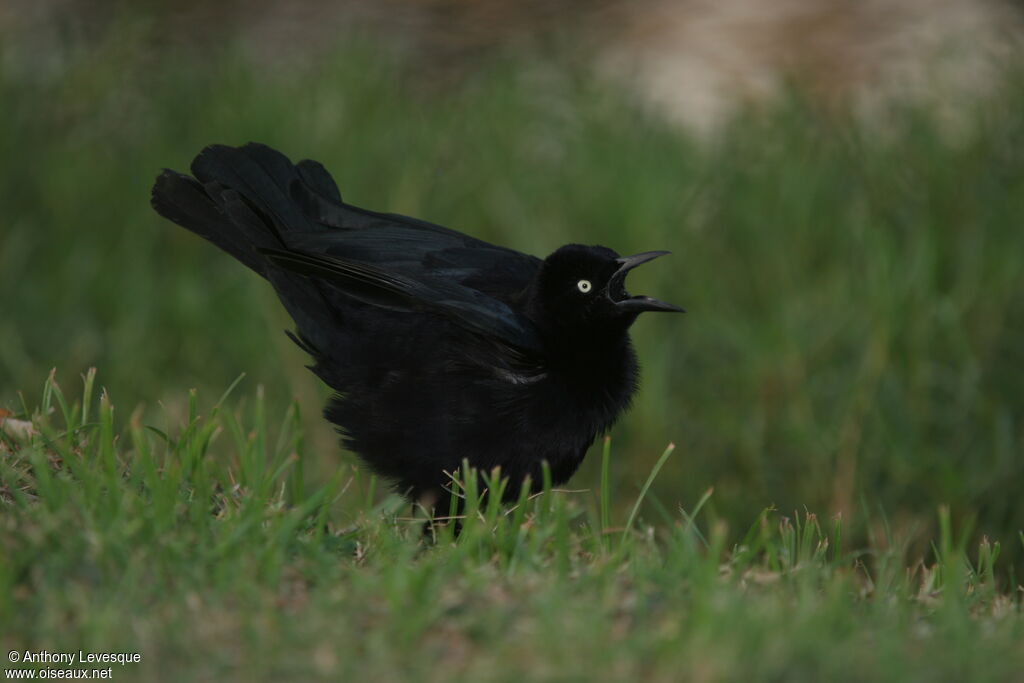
column 441, row 346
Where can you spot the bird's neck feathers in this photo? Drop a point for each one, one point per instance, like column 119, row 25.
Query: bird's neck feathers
column 589, row 348
column 599, row 371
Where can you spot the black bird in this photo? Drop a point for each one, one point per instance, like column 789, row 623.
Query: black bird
column 441, row 347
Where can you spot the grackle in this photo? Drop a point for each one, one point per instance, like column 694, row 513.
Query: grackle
column 441, row 347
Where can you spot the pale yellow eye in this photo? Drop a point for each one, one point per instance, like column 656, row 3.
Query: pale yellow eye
column 584, row 286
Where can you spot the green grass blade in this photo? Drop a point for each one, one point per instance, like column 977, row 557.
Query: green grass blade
column 643, row 491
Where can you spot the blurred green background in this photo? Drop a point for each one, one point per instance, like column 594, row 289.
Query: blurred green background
column 855, row 285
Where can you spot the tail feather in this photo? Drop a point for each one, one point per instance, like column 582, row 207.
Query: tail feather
column 188, row 203
column 260, row 174
column 316, row 177
column 256, row 230
column 241, row 199
column 244, row 199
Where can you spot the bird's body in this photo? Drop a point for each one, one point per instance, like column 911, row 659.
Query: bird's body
column 441, row 347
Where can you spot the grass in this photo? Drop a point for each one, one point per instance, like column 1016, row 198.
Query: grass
column 193, row 546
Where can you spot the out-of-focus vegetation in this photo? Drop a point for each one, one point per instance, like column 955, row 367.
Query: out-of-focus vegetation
column 855, row 289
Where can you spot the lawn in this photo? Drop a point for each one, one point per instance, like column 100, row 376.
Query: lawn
column 199, row 549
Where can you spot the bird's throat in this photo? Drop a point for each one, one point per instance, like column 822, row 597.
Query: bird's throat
column 591, row 359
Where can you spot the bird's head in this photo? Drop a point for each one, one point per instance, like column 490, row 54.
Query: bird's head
column 585, row 288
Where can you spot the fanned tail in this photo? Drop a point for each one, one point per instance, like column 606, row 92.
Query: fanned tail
column 247, row 200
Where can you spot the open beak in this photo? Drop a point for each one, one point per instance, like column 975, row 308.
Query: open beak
column 635, row 304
